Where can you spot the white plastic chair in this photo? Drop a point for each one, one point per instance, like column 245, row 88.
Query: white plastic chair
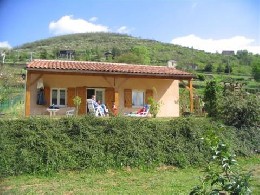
column 96, row 111
column 70, row 112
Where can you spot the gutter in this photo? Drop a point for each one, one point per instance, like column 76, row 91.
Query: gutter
column 188, row 76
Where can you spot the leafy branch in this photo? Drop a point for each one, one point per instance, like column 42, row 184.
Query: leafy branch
column 222, row 172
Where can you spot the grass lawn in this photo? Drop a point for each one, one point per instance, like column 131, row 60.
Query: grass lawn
column 163, row 180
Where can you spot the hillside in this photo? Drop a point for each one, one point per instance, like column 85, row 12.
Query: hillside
column 92, row 46
column 125, row 48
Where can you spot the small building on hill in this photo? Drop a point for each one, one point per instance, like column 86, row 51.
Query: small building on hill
column 67, row 54
column 172, row 63
column 126, row 86
column 228, row 52
column 192, row 66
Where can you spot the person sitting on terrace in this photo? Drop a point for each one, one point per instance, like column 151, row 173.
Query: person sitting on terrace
column 94, row 101
column 104, row 109
column 141, row 110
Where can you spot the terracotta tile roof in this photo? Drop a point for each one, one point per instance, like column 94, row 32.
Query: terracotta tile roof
column 105, row 67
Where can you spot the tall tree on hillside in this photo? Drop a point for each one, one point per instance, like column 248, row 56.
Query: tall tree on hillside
column 256, row 69
column 211, row 98
column 115, row 52
column 97, row 54
column 43, row 54
column 208, row 68
column 143, row 53
column 244, row 57
column 129, row 58
column 88, row 56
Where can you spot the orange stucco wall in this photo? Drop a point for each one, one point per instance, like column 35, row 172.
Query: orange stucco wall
column 167, row 90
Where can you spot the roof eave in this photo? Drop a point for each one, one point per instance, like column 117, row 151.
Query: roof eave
column 173, row 76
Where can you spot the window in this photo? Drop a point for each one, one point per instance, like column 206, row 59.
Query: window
column 100, row 95
column 98, row 92
column 137, row 98
column 58, row 97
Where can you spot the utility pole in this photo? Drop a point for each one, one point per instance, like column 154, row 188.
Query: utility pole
column 31, row 56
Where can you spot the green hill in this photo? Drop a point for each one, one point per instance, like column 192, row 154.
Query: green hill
column 125, row 48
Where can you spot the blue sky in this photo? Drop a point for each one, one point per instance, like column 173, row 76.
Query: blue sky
column 210, row 25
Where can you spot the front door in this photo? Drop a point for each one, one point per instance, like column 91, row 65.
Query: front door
column 98, row 92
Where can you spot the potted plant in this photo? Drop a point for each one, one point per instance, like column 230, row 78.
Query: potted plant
column 154, row 106
column 77, row 102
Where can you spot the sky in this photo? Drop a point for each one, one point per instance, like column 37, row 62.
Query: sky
column 209, row 25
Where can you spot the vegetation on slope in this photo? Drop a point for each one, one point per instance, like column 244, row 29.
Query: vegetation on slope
column 120, row 48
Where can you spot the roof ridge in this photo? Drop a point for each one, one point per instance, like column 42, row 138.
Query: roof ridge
column 95, row 62
column 105, row 67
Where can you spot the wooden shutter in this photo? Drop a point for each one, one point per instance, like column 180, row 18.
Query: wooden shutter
column 148, row 93
column 109, row 97
column 47, row 95
column 70, row 95
column 128, row 98
column 81, row 92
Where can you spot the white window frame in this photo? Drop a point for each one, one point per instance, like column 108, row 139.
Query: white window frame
column 133, row 99
column 58, row 97
column 103, row 92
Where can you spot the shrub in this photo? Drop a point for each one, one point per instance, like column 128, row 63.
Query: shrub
column 154, row 106
column 240, row 110
column 208, row 68
column 40, row 145
column 77, row 102
column 201, row 77
column 222, row 173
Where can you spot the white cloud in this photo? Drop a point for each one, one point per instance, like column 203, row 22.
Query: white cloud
column 5, row 44
column 93, row 19
column 123, row 29
column 218, row 45
column 69, row 25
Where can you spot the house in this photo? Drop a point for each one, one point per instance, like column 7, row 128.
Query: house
column 172, row 63
column 192, row 66
column 67, row 54
column 228, row 52
column 127, row 86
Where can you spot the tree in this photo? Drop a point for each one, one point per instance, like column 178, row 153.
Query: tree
column 228, row 69
column 211, row 98
column 256, row 69
column 115, row 52
column 244, row 57
column 43, row 54
column 129, row 58
column 220, row 68
column 208, row 68
column 143, row 53
column 89, row 55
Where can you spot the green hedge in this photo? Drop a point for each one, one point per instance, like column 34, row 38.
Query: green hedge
column 40, row 145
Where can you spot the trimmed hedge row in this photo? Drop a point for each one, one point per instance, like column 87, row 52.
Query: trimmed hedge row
column 40, row 145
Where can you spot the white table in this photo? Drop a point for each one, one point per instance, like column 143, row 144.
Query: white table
column 52, row 111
